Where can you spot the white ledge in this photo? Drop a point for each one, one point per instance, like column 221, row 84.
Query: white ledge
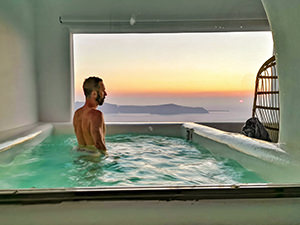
column 264, row 150
column 30, row 137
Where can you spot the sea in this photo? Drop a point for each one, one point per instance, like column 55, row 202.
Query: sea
column 212, row 116
column 221, row 109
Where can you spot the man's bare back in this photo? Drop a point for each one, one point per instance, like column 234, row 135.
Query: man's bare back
column 89, row 128
column 89, row 123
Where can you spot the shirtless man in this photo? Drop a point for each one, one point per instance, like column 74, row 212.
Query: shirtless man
column 88, row 122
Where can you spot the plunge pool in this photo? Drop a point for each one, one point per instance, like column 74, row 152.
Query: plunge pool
column 133, row 160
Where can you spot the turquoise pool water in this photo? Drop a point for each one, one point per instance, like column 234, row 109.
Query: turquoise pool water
column 133, row 160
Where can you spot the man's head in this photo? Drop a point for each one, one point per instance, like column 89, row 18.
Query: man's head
column 94, row 89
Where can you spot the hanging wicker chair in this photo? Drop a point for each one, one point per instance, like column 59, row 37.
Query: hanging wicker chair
column 266, row 98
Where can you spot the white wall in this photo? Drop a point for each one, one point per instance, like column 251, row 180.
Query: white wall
column 18, row 97
column 53, row 55
column 284, row 17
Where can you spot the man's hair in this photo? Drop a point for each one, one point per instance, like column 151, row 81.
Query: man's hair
column 90, row 84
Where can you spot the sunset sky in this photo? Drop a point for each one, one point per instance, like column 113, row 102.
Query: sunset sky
column 137, row 66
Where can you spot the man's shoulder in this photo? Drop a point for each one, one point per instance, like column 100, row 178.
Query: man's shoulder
column 95, row 117
column 77, row 114
column 78, row 111
column 95, row 113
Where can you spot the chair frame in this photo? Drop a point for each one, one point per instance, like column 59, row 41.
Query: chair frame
column 266, row 98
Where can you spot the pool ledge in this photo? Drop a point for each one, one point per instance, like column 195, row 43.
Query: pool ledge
column 266, row 159
column 264, row 150
column 30, row 137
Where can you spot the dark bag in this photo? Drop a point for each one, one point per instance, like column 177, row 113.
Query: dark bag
column 254, row 128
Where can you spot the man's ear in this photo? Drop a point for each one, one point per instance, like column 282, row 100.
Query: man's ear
column 94, row 94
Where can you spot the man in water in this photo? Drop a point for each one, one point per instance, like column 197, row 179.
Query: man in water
column 88, row 122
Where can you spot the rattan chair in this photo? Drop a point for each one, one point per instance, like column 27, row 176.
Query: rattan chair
column 266, row 98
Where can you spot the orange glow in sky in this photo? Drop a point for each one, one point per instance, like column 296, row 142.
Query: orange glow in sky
column 190, row 64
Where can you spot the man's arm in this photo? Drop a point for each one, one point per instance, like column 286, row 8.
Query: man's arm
column 96, row 128
column 77, row 129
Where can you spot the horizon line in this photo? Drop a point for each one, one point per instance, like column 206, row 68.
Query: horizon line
column 234, row 93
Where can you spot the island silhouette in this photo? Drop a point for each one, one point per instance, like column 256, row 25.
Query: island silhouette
column 163, row 109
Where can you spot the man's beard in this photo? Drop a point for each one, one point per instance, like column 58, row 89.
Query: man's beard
column 99, row 100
